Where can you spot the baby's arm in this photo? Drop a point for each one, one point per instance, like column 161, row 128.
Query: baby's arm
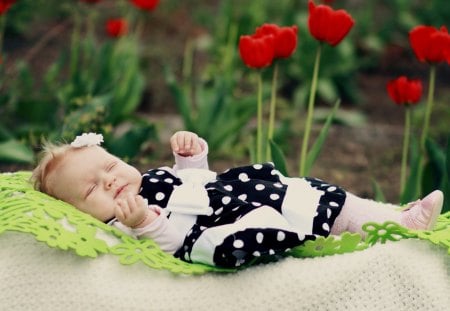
column 190, row 151
column 164, row 233
column 148, row 221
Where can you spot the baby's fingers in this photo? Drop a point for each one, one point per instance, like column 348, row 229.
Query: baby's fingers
column 131, row 202
column 184, row 142
column 121, row 210
column 174, row 142
column 188, row 141
column 141, row 202
column 118, row 212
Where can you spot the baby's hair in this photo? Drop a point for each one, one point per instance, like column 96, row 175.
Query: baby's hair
column 49, row 159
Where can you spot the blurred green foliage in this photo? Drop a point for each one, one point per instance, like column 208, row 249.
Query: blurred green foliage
column 92, row 86
column 206, row 101
column 98, row 84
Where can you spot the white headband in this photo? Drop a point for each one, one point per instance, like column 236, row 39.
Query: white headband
column 87, row 140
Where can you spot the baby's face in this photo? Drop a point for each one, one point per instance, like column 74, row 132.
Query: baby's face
column 93, row 180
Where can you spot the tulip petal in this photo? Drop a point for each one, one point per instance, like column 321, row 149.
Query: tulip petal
column 430, row 44
column 256, row 52
column 404, row 91
column 328, row 25
column 5, row 5
column 342, row 23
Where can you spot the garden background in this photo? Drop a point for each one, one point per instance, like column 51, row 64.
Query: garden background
column 177, row 66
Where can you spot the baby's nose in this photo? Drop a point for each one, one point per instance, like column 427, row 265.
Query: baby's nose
column 109, row 180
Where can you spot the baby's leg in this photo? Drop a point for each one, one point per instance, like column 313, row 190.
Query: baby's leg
column 420, row 215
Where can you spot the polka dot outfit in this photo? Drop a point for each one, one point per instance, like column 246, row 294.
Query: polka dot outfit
column 250, row 218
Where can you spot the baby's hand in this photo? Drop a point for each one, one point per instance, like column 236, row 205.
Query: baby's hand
column 186, row 143
column 133, row 211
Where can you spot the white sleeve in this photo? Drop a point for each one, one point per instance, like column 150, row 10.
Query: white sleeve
column 162, row 232
column 196, row 161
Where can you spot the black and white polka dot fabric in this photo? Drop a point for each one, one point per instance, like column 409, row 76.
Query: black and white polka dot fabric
column 257, row 212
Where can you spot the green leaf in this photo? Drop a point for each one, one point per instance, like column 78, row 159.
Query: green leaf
column 229, row 123
column 127, row 96
column 87, row 115
column 411, row 192
column 278, row 157
column 181, row 101
column 446, row 183
column 317, row 146
column 326, row 89
column 15, row 151
column 447, row 159
column 436, row 156
column 5, row 133
column 129, row 144
column 214, row 109
column 378, row 192
column 344, row 117
column 435, row 169
column 429, row 180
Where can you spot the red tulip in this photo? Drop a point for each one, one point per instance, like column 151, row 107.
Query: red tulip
column 328, row 25
column 285, row 38
column 146, row 5
column 404, row 91
column 430, row 44
column 5, row 5
column 116, row 27
column 257, row 52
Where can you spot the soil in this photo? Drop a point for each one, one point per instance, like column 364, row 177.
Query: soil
column 353, row 156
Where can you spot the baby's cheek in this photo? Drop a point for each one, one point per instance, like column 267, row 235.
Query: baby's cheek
column 102, row 207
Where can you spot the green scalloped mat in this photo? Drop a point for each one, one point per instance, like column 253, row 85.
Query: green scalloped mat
column 60, row 225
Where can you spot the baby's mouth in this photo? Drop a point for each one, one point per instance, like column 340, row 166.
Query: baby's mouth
column 119, row 191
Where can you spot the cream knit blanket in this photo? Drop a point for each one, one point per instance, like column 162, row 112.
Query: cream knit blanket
column 405, row 275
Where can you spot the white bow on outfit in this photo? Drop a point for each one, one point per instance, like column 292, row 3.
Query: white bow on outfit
column 191, row 197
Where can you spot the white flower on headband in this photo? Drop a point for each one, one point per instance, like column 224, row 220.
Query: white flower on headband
column 87, row 140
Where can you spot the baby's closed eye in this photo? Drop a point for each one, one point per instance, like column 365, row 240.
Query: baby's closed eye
column 90, row 190
column 110, row 166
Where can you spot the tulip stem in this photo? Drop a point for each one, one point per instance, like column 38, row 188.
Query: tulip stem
column 430, row 99
column 426, row 124
column 406, row 136
column 312, row 96
column 259, row 121
column 273, row 103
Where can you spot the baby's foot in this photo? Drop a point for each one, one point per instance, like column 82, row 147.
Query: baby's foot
column 422, row 214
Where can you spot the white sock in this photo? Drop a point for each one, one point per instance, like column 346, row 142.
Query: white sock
column 357, row 211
